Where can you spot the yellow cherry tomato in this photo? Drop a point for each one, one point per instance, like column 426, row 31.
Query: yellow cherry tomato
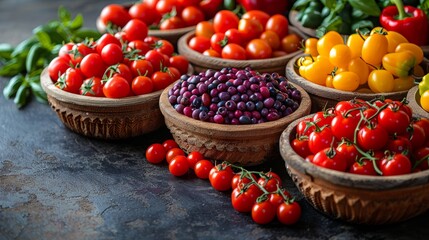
column 416, row 50
column 329, row 80
column 374, row 48
column 303, row 71
column 311, row 47
column 346, row 81
column 381, row 81
column 317, row 72
column 424, row 100
column 327, row 41
column 304, row 61
column 393, row 40
column 378, row 30
column 358, row 66
column 340, row 55
column 355, row 43
column 403, row 83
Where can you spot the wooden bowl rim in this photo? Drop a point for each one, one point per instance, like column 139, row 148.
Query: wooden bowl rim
column 413, row 98
column 193, row 55
column 233, row 131
column 323, row 91
column 63, row 96
column 292, row 159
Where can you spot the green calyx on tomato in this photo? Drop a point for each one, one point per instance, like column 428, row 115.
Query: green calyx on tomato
column 424, row 84
column 399, row 64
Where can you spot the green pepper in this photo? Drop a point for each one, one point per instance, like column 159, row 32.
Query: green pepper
column 399, row 63
column 311, row 17
column 424, row 84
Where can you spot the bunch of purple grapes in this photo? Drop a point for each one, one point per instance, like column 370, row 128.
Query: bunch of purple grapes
column 234, row 96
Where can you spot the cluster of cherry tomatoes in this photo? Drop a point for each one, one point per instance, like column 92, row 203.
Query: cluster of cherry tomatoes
column 381, row 61
column 115, row 66
column 158, row 14
column 256, row 35
column 370, row 138
column 258, row 193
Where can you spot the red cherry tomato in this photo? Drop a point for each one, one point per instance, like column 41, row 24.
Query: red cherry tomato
column 233, row 51
column 224, row 20
column 320, row 139
column 289, row 213
column 221, row 177
column 263, row 212
column 135, row 30
column 117, row 87
column 115, row 14
column 365, row 167
column 193, row 158
column 178, row 166
column 241, row 200
column 327, row 158
column 169, row 144
column 56, row 67
column 155, row 153
column 92, row 87
column 71, row 80
column 397, row 164
column 202, row 168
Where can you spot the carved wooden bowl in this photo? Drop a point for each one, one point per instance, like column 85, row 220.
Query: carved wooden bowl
column 104, row 118
column 245, row 145
column 202, row 62
column 413, row 98
column 356, row 198
column 323, row 97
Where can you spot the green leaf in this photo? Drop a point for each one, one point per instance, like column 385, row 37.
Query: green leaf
column 76, row 23
column 5, row 51
column 358, row 14
column 84, row 33
column 64, row 15
column 36, row 52
column 38, row 92
column 22, row 95
column 329, row 3
column 44, row 39
column 300, row 4
column 12, row 67
column 12, row 86
column 369, row 7
column 23, row 47
column 362, row 25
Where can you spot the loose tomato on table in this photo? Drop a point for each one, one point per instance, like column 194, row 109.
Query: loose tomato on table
column 289, row 213
column 155, row 153
column 178, row 166
column 173, row 152
column 263, row 212
column 202, row 168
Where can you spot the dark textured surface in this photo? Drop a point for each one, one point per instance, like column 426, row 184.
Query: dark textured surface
column 55, row 184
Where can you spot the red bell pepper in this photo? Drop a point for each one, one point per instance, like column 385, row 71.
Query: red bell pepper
column 411, row 22
column 269, row 6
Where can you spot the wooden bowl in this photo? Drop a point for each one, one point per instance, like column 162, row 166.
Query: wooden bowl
column 413, row 98
column 356, row 198
column 324, row 97
column 202, row 62
column 245, row 145
column 104, row 118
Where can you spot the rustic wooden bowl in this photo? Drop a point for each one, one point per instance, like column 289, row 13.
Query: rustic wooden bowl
column 413, row 98
column 202, row 62
column 104, row 118
column 245, row 145
column 356, row 198
column 323, row 97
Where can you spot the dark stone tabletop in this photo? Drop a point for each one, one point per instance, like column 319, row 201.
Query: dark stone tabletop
column 55, row 184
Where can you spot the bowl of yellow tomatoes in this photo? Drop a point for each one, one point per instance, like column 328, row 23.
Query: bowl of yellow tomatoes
column 334, row 68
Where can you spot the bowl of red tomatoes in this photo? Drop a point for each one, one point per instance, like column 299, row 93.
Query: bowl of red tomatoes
column 257, row 40
column 110, row 89
column 361, row 161
column 165, row 19
column 225, row 117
